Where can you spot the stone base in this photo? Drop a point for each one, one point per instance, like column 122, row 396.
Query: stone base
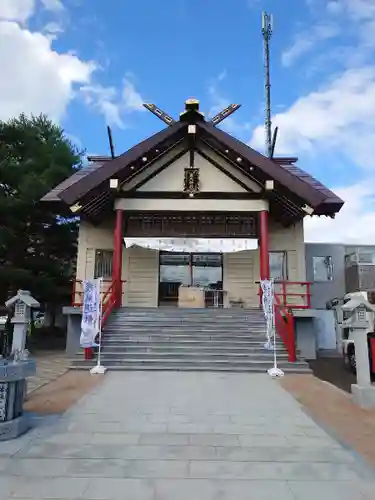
column 14, row 428
column 363, row 396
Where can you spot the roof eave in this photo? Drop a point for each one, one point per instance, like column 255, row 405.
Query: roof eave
column 312, row 197
column 329, row 208
column 110, row 168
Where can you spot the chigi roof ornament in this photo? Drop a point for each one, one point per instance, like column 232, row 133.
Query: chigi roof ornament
column 191, row 105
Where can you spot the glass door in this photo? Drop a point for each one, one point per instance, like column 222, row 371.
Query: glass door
column 207, row 272
column 174, row 271
column 197, row 269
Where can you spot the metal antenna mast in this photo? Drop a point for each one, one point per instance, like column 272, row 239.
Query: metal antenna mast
column 267, row 23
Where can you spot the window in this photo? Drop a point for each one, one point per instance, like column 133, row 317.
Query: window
column 103, row 263
column 278, row 266
column 323, row 268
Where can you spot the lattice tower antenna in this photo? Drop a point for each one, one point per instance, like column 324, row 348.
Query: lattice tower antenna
column 267, row 27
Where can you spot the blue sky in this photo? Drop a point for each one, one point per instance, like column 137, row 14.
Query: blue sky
column 170, row 51
column 89, row 64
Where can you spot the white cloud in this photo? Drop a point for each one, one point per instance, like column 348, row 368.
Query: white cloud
column 338, row 116
column 351, row 20
column 355, row 223
column 22, row 10
column 111, row 103
column 38, row 79
column 335, row 7
column 306, row 41
column 336, row 119
column 360, row 10
column 53, row 5
column 219, row 102
column 16, row 10
column 105, row 100
column 131, row 99
column 41, row 80
column 53, row 28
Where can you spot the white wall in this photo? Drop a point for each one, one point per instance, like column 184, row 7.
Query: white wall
column 140, row 266
column 291, row 240
column 211, row 178
column 240, row 273
column 142, row 274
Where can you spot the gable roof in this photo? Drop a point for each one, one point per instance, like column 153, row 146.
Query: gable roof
column 292, row 184
column 91, row 176
column 273, row 170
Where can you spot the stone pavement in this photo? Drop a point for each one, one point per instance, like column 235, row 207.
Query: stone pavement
column 183, row 436
column 49, row 366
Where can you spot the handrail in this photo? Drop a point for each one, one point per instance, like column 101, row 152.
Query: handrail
column 287, row 298
column 108, row 302
column 284, row 325
column 77, row 294
column 299, row 297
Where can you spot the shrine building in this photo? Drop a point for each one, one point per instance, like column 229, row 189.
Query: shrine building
column 144, row 213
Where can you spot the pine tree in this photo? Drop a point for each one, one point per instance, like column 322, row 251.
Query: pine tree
column 37, row 244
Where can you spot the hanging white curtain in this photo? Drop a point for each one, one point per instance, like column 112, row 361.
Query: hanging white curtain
column 191, row 245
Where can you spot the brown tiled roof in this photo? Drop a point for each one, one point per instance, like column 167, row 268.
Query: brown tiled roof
column 290, row 178
column 329, row 196
column 294, row 178
column 54, row 195
column 83, row 184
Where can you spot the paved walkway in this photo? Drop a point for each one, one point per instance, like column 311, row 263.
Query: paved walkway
column 49, row 366
column 183, row 436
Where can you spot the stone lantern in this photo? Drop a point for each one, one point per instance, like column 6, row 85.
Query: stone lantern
column 23, row 303
column 14, row 372
column 363, row 391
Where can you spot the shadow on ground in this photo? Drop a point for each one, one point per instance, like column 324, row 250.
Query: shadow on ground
column 332, row 370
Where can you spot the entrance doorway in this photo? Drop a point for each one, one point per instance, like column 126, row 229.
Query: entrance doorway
column 189, row 269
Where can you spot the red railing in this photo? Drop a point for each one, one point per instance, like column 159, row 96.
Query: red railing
column 284, row 325
column 293, row 294
column 108, row 298
column 289, row 295
column 77, row 293
column 109, row 301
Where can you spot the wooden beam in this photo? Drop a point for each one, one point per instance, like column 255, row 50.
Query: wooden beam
column 179, row 195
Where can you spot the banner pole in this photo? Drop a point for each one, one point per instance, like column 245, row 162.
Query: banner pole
column 99, row 369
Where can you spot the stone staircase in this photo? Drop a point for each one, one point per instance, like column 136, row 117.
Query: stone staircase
column 188, row 340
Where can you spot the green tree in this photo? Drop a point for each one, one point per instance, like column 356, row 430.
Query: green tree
column 37, row 244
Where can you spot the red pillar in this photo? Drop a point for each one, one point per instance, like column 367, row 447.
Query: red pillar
column 264, row 245
column 117, row 256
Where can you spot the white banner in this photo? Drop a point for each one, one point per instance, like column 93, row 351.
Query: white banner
column 90, row 312
column 192, row 245
column 267, row 287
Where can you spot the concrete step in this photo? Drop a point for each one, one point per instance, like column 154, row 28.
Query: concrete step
column 173, row 341
column 183, row 326
column 187, row 354
column 188, row 365
column 120, row 329
column 180, row 338
column 197, row 348
column 174, row 311
column 215, row 315
column 183, row 330
column 189, row 340
column 138, row 368
column 187, row 317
